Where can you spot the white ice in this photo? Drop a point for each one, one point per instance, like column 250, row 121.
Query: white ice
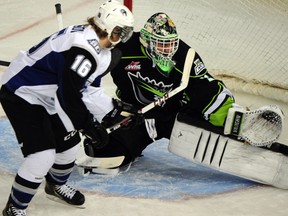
column 23, row 23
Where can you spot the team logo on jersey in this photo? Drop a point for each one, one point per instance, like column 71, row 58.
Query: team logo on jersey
column 133, row 66
column 147, row 90
column 77, row 28
column 95, row 44
column 124, row 12
column 199, row 66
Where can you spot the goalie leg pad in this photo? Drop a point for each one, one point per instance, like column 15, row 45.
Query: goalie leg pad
column 234, row 157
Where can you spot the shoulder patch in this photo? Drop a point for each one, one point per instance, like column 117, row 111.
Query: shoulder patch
column 199, row 66
column 77, row 28
column 95, row 44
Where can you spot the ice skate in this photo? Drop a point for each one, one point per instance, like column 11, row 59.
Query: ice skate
column 65, row 194
column 10, row 210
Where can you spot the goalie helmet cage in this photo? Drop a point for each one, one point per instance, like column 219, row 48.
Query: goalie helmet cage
column 243, row 42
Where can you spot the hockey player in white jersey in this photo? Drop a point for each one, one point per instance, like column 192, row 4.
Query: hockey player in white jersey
column 43, row 94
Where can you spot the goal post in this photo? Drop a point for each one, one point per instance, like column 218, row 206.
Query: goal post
column 128, row 3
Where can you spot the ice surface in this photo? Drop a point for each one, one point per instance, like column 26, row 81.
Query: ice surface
column 159, row 183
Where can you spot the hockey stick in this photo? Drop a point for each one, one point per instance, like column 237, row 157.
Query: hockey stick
column 60, row 26
column 97, row 162
column 59, row 15
column 183, row 84
column 4, row 63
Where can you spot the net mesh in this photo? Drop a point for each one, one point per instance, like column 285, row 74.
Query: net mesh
column 242, row 42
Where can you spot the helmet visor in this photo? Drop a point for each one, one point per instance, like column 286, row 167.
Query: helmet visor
column 124, row 33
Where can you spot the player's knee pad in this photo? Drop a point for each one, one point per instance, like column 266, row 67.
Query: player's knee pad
column 67, row 156
column 36, row 166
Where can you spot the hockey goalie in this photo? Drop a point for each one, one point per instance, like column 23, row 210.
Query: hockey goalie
column 178, row 99
column 245, row 147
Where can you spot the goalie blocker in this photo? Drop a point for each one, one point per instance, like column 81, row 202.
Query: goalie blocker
column 205, row 144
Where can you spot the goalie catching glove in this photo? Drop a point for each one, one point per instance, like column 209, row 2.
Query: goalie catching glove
column 121, row 111
column 260, row 127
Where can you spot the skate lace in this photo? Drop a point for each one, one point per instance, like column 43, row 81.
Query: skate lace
column 18, row 212
column 66, row 190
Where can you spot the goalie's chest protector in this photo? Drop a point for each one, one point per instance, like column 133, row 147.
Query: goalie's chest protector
column 138, row 80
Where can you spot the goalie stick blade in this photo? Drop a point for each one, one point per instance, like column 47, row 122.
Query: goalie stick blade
column 93, row 162
column 83, row 160
column 109, row 172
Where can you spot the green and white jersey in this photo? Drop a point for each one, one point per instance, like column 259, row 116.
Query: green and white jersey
column 140, row 82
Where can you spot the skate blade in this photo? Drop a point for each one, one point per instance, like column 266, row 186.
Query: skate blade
column 58, row 200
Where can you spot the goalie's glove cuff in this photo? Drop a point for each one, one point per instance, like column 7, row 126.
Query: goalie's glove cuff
column 125, row 107
column 120, row 111
column 96, row 133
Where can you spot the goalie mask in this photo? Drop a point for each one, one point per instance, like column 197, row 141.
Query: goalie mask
column 113, row 17
column 161, row 40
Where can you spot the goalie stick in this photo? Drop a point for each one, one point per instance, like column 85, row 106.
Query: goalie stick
column 183, row 84
column 86, row 164
column 97, row 161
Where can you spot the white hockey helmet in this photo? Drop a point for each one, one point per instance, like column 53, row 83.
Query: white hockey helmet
column 113, row 14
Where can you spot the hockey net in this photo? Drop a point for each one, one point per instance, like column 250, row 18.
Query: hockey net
column 242, row 42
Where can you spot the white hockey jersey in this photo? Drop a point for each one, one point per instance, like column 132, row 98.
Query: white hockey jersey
column 56, row 73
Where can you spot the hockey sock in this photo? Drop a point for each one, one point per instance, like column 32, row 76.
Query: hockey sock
column 59, row 174
column 22, row 192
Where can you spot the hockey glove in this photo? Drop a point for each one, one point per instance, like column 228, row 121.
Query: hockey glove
column 134, row 121
column 122, row 110
column 96, row 133
column 88, row 147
